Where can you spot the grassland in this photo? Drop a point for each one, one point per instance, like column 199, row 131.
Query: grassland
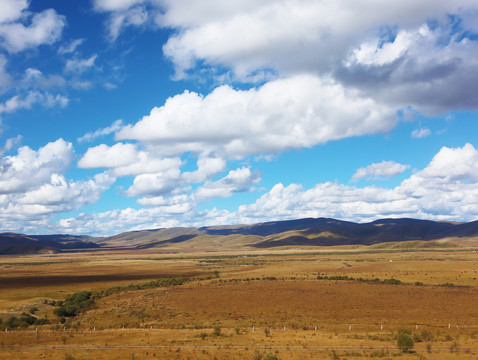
column 341, row 302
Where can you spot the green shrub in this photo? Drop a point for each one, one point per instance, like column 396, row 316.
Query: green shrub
column 74, row 304
column 269, row 356
column 392, row 281
column 217, row 331
column 405, row 340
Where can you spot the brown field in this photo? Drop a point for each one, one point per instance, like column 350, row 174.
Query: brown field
column 262, row 301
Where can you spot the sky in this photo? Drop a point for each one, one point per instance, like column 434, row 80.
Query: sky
column 119, row 115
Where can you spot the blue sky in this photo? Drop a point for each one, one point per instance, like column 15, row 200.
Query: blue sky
column 129, row 114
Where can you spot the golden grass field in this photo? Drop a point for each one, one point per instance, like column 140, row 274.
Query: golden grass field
column 259, row 301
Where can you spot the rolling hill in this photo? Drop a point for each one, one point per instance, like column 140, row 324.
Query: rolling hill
column 300, row 232
column 12, row 243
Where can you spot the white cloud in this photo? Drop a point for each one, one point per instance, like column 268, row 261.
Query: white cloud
column 5, row 78
column 161, row 183
column 256, row 35
column 421, row 133
column 11, row 10
column 80, row 65
column 238, row 180
column 179, row 204
column 115, row 5
column 445, row 190
column 71, row 46
column 35, row 79
column 10, row 143
column 123, row 13
column 33, row 187
column 118, row 21
column 453, row 165
column 101, row 132
column 207, row 167
column 33, row 97
column 127, row 160
column 429, row 69
column 302, row 111
column 380, row 171
column 388, row 53
column 30, row 168
column 45, row 28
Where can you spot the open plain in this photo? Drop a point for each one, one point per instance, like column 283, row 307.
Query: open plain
column 295, row 303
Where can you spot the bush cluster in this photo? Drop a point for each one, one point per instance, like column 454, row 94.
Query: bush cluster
column 22, row 321
column 74, row 304
column 391, row 281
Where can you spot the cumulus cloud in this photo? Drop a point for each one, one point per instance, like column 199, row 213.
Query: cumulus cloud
column 254, row 35
column 126, row 160
column 284, row 114
column 380, row 171
column 427, row 68
column 421, row 133
column 162, row 183
column 445, row 189
column 29, row 168
column 239, row 180
column 207, row 167
column 45, row 28
column 33, row 187
column 388, row 47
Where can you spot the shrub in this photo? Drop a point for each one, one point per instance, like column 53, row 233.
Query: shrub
column 392, row 281
column 74, row 304
column 405, row 340
column 217, row 331
column 269, row 356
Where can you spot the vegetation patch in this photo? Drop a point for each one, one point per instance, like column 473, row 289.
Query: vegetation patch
column 22, row 321
column 391, row 281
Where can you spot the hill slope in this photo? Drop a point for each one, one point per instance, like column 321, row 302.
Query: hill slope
column 12, row 243
column 301, row 232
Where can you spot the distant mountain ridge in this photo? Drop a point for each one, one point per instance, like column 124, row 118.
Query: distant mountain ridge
column 300, row 232
column 12, row 243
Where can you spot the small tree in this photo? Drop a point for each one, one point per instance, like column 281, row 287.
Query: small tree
column 405, row 340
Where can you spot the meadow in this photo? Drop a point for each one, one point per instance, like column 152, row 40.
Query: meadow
column 294, row 303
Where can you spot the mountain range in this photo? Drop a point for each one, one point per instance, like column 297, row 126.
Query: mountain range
column 292, row 233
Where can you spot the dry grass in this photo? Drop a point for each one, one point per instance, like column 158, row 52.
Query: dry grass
column 185, row 316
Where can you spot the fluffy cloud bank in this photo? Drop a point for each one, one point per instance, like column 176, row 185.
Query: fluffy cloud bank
column 423, row 55
column 302, row 111
column 33, row 187
column 446, row 189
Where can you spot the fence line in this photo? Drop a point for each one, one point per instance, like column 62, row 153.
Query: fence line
column 227, row 347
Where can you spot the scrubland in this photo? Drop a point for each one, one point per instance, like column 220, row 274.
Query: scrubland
column 330, row 303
